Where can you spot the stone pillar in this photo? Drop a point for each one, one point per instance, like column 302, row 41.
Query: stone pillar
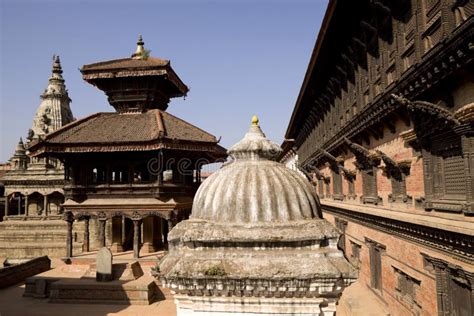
column 6, row 205
column 85, row 246
column 164, row 225
column 69, row 238
column 151, row 234
column 26, row 204
column 102, row 233
column 19, row 204
column 117, row 240
column 136, row 239
column 45, row 207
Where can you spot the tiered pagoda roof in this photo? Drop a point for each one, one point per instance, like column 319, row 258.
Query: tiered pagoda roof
column 136, row 83
column 151, row 130
column 139, row 88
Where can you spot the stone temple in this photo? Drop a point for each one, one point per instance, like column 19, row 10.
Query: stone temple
column 256, row 242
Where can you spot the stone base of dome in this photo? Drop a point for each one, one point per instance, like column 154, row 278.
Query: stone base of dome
column 240, row 306
column 195, row 233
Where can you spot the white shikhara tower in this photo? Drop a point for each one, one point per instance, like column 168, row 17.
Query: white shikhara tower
column 54, row 110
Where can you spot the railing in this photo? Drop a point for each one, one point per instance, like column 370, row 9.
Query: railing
column 131, row 189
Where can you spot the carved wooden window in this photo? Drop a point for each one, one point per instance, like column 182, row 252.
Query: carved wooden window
column 369, row 186
column 454, row 287
column 337, row 185
column 341, row 225
column 328, row 189
column 355, row 253
column 351, row 189
column 321, row 188
column 375, row 253
column 406, row 288
column 446, row 179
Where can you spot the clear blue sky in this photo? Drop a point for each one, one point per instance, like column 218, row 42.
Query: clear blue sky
column 239, row 57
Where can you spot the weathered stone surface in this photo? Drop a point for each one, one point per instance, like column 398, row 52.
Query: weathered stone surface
column 256, row 239
column 19, row 272
column 104, row 265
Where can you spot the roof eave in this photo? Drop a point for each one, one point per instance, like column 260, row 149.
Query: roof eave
column 314, row 56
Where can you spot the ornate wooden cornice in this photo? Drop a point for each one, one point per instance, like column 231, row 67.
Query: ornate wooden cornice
column 437, row 64
column 453, row 244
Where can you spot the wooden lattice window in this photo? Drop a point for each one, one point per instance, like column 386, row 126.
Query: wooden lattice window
column 341, row 225
column 321, row 188
column 399, row 189
column 337, row 185
column 406, row 287
column 351, row 189
column 328, row 189
column 369, row 186
column 446, row 175
column 355, row 253
column 454, row 287
column 375, row 253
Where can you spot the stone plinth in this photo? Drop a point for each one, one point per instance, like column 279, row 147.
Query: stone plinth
column 87, row 291
column 104, row 265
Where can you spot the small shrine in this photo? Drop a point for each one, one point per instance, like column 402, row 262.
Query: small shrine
column 256, row 242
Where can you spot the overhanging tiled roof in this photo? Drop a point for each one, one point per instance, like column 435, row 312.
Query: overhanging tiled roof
column 126, row 63
column 150, row 130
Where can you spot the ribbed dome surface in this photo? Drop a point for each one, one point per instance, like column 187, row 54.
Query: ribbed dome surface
column 255, row 189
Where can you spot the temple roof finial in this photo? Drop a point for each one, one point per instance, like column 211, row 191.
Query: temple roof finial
column 140, row 52
column 255, row 120
column 57, row 69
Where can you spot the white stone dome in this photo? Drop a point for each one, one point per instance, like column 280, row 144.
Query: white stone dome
column 253, row 188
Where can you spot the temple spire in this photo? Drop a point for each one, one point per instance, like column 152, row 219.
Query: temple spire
column 54, row 110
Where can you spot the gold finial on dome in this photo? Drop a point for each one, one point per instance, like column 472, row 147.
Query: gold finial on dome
column 255, row 120
column 140, row 52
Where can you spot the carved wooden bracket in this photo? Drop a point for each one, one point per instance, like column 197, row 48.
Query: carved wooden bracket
column 365, row 158
column 428, row 118
column 393, row 168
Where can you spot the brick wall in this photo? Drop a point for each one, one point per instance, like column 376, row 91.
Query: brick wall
column 401, row 255
column 19, row 272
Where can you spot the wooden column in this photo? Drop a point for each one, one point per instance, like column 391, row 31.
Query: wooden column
column 69, row 238
column 117, row 234
column 19, row 203
column 165, row 231
column 85, row 246
column 102, row 233
column 26, row 205
column 136, row 239
column 6, row 205
column 45, row 206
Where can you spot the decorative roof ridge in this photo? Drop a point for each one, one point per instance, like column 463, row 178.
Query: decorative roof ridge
column 180, row 119
column 89, row 67
column 161, row 125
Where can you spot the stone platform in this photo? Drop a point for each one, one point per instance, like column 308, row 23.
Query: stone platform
column 76, row 284
column 36, row 238
column 142, row 291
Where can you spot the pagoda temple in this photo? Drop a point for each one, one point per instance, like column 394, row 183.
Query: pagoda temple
column 137, row 168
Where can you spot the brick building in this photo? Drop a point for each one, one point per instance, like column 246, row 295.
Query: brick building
column 383, row 125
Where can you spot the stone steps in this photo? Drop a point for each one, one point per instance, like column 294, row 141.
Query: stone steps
column 33, row 249
column 142, row 291
column 35, row 238
column 32, row 235
column 25, row 225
